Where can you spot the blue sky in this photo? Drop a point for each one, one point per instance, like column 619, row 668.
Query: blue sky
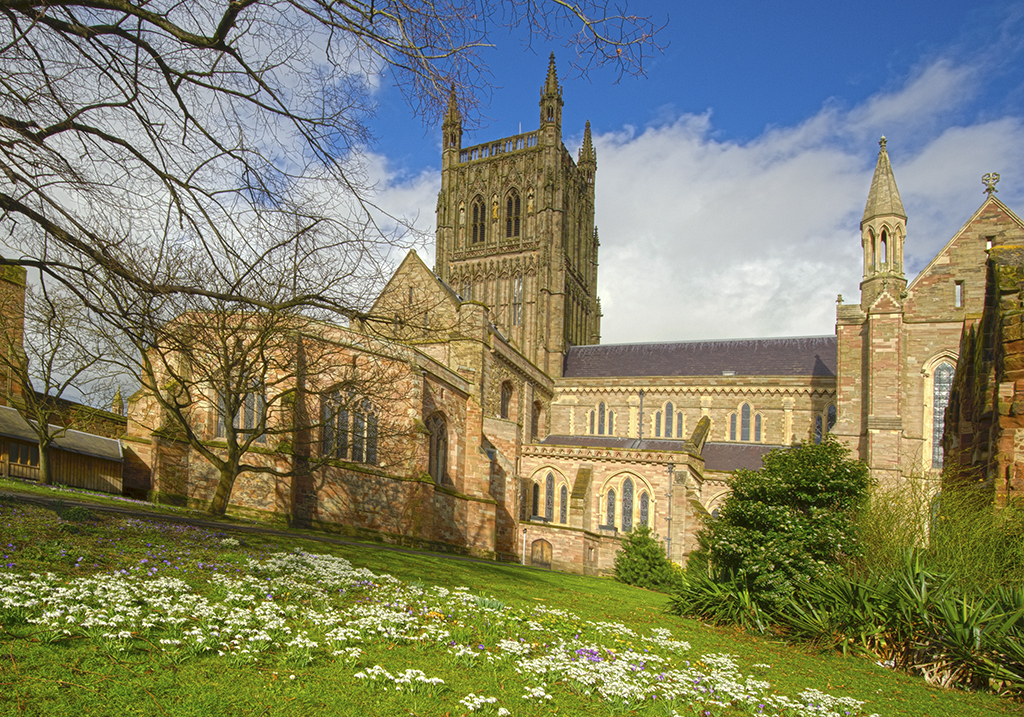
column 732, row 177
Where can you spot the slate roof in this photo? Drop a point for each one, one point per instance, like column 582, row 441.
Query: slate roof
column 795, row 356
column 12, row 425
column 734, row 456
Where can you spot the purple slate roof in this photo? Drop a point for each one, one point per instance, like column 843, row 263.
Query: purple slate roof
column 734, row 456
column 797, row 356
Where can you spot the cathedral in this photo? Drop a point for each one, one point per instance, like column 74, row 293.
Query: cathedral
column 517, row 435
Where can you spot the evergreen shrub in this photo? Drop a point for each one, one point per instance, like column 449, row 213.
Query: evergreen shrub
column 641, row 561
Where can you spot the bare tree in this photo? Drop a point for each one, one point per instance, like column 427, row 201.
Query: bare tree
column 195, row 167
column 57, row 361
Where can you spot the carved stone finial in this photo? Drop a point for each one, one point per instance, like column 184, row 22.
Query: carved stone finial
column 990, row 180
column 839, row 299
column 881, row 143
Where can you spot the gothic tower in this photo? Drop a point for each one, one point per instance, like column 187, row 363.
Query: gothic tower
column 871, row 336
column 515, row 231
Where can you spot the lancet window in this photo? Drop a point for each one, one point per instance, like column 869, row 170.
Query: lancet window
column 512, row 214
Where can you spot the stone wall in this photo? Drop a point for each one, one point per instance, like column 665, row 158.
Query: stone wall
column 984, row 437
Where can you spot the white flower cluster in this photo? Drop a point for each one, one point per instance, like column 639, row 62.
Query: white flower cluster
column 312, row 606
column 473, row 702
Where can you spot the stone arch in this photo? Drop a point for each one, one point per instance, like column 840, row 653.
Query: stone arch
column 626, row 499
column 537, row 492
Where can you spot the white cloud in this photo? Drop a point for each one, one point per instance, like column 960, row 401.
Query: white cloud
column 704, row 238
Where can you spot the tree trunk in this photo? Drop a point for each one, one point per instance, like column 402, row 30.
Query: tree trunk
column 45, row 467
column 219, row 504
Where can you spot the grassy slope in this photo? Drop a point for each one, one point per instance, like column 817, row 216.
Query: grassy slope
column 82, row 677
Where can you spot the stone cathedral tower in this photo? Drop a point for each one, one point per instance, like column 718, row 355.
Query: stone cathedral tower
column 515, row 231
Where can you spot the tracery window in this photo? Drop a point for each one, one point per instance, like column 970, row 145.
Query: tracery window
column 742, row 421
column 549, row 497
column 563, row 507
column 364, row 434
column 437, row 462
column 645, row 509
column 478, row 225
column 512, row 214
column 334, row 427
column 942, row 384
column 250, row 415
column 627, row 505
column 610, row 509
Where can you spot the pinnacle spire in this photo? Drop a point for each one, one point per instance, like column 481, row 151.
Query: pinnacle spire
column 452, row 115
column 551, row 83
column 884, row 196
column 587, row 153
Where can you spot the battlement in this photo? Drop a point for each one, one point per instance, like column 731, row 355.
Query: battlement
column 488, row 150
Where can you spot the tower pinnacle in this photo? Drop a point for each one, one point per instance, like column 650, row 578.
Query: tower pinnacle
column 884, row 197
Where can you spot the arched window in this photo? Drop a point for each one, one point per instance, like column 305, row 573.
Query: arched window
column 600, row 418
column 645, row 509
column 549, row 497
column 884, row 247
column 745, row 422
column 942, row 384
column 657, row 424
column 512, row 213
column 817, row 429
column 536, row 501
column 479, row 223
column 437, row 464
column 830, row 416
column 757, row 428
column 669, row 415
column 593, row 415
column 627, row 505
column 535, row 421
column 611, row 426
column 251, row 415
column 610, row 509
column 517, row 300
column 732, row 426
column 506, row 399
column 563, row 507
column 334, row 426
column 679, row 424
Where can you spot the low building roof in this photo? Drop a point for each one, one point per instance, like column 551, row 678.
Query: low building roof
column 735, row 456
column 794, row 356
column 13, row 425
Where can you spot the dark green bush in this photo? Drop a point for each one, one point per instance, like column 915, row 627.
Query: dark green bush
column 641, row 561
column 790, row 522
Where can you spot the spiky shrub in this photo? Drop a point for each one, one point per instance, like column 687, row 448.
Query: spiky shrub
column 790, row 522
column 641, row 561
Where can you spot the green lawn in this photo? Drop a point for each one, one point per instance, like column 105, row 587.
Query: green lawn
column 149, row 617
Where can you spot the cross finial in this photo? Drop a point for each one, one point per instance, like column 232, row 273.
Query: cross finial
column 881, row 143
column 990, row 180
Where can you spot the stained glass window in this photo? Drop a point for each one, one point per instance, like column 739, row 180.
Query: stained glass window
column 669, row 415
column 745, row 422
column 610, row 522
column 941, row 386
column 549, row 497
column 563, row 509
column 627, row 505
column 757, row 428
column 645, row 509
